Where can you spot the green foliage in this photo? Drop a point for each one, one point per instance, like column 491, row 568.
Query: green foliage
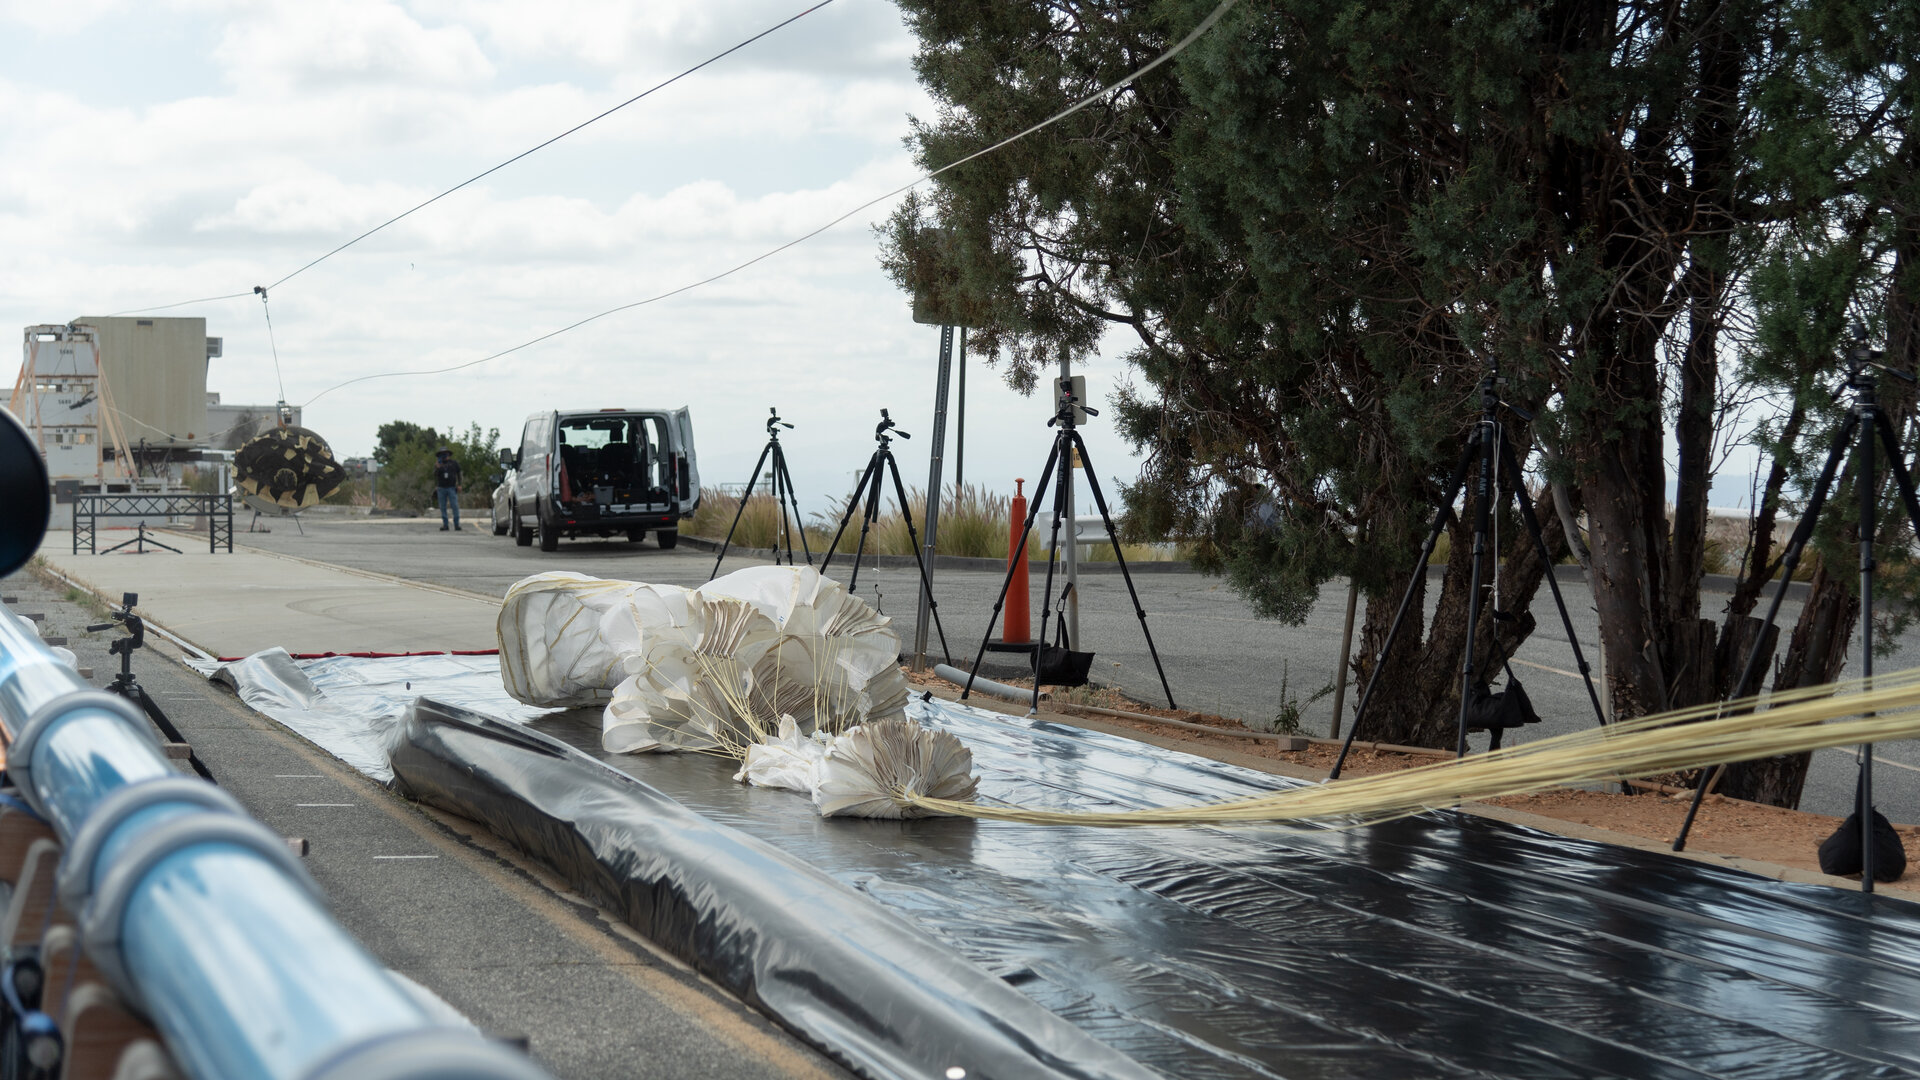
column 1321, row 222
column 406, row 454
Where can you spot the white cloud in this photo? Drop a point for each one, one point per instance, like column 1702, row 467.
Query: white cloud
column 295, row 45
column 61, row 17
column 329, row 118
column 649, row 41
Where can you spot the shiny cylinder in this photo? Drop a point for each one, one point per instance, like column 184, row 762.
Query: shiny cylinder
column 232, row 956
column 1017, row 624
column 303, row 990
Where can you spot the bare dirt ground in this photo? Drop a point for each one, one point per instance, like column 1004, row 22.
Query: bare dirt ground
column 1725, row 827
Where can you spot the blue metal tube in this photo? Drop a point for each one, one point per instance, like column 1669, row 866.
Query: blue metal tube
column 85, row 756
column 267, row 985
column 230, row 954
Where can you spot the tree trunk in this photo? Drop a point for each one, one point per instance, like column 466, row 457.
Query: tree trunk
column 1621, row 524
column 1425, row 663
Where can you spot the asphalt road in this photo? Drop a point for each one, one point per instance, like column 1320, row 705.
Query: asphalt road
column 1217, row 655
column 444, row 904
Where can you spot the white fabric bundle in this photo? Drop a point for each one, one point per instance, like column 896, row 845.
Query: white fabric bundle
column 788, row 760
column 688, row 686
column 563, row 636
column 837, row 661
column 701, row 669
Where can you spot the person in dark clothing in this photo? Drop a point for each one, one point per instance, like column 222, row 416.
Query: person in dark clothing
column 446, row 486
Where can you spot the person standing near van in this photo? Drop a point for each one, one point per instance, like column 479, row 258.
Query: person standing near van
column 446, row 486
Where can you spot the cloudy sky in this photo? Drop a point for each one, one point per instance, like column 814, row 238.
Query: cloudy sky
column 153, row 151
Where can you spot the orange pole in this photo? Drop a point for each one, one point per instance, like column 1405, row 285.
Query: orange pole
column 1019, row 614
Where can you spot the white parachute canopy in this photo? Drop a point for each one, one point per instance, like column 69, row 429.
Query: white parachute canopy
column 712, row 668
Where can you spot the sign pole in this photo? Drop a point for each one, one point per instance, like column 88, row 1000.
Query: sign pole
column 924, row 614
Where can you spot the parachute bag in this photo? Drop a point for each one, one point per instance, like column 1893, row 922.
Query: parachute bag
column 1840, row 853
column 1059, row 665
column 1496, row 711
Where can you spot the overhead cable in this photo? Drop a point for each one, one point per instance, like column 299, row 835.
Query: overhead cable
column 1179, row 46
column 183, row 303
column 524, row 153
column 644, row 93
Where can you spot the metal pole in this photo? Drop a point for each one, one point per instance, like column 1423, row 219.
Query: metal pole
column 1869, row 491
column 960, row 413
column 924, row 614
column 1346, row 656
column 1067, row 464
column 195, row 912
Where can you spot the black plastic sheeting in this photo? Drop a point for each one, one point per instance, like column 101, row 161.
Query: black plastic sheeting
column 1443, row 945
column 858, row 982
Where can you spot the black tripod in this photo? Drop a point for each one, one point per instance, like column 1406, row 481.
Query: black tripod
column 142, row 540
column 782, row 496
column 129, row 687
column 1496, row 460
column 869, row 487
column 1868, row 422
column 1066, row 442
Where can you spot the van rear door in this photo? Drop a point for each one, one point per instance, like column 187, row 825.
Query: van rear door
column 689, row 465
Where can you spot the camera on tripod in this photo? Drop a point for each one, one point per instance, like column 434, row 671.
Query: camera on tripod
column 886, row 424
column 136, row 628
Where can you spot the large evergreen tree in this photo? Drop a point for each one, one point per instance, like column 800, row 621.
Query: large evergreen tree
column 1325, row 219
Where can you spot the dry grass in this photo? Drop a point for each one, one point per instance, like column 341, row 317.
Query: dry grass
column 974, row 523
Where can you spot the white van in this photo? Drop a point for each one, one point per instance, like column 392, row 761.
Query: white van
column 602, row 472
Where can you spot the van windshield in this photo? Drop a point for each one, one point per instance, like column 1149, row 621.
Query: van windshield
column 594, row 432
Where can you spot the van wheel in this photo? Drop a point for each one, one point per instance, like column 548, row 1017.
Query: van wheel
column 520, row 534
column 549, row 536
column 634, row 536
column 667, row 537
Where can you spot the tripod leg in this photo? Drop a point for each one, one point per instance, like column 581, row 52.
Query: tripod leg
column 1482, row 520
column 1789, row 561
column 744, row 496
column 867, row 519
column 1013, row 567
column 1440, row 518
column 926, row 581
column 152, row 709
column 1511, row 465
column 784, row 529
column 853, row 503
column 800, row 523
column 1053, row 558
column 1099, row 500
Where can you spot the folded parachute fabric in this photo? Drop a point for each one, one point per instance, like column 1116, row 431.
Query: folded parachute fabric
column 786, row 760
column 706, row 669
column 564, row 636
column 837, row 661
column 882, row 770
